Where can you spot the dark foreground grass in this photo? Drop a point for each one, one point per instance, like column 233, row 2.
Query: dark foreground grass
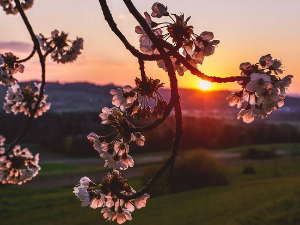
column 266, row 198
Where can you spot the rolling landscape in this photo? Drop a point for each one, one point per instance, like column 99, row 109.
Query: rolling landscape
column 88, row 97
column 270, row 148
column 76, row 151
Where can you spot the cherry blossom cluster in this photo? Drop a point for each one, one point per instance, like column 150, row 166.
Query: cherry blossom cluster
column 21, row 165
column 106, row 196
column 115, row 152
column 61, row 48
column 18, row 167
column 192, row 46
column 8, row 67
column 262, row 89
column 135, row 102
column 23, row 100
column 114, row 149
column 9, row 6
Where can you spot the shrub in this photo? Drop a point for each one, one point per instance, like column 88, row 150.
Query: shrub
column 195, row 169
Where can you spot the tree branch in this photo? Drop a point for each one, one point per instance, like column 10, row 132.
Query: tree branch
column 158, row 121
column 198, row 73
column 43, row 68
column 142, row 69
column 113, row 26
column 29, row 57
column 175, row 100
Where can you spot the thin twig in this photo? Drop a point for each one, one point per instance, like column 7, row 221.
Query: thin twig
column 43, row 68
column 175, row 100
column 157, row 122
column 198, row 73
column 48, row 52
column 113, row 26
column 172, row 51
column 29, row 57
column 142, row 69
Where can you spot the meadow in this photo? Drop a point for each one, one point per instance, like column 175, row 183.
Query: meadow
column 271, row 196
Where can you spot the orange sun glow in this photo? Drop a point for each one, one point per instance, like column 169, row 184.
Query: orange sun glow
column 204, row 85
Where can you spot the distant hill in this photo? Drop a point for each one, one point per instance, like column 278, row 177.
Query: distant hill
column 80, row 97
column 71, row 97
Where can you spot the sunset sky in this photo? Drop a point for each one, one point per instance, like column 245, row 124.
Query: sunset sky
column 247, row 30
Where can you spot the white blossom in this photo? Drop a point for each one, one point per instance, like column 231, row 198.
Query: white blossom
column 28, row 174
column 23, row 153
column 198, row 57
column 270, row 101
column 124, row 97
column 107, row 214
column 207, row 35
column 120, row 147
column 8, row 67
column 15, row 173
column 107, row 113
column 94, row 138
column 247, row 115
column 112, row 201
column 159, row 10
column 249, row 97
column 266, row 61
column 100, row 147
column 129, row 205
column 115, row 164
column 104, row 115
column 9, row 6
column 259, row 83
column 180, row 69
column 235, row 100
column 24, row 100
column 245, row 66
column 5, row 78
column 62, row 49
column 140, row 140
column 98, row 202
column 146, row 45
column 82, row 194
column 140, row 202
column 206, row 44
column 122, row 215
column 85, row 182
column 283, row 84
column 127, row 160
column 276, row 64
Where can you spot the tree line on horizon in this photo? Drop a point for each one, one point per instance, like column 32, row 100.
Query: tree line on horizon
column 67, row 133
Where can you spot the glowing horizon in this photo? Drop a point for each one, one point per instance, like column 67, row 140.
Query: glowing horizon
column 245, row 29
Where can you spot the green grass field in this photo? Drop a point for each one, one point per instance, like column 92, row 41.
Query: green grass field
column 54, row 169
column 268, row 197
column 50, row 169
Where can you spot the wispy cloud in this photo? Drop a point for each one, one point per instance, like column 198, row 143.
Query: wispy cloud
column 16, row 46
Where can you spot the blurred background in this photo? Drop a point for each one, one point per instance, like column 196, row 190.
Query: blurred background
column 227, row 172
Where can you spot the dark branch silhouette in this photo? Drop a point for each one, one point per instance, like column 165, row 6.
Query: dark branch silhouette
column 43, row 68
column 27, row 58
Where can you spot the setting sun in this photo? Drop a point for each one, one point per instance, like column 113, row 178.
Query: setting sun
column 204, row 85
